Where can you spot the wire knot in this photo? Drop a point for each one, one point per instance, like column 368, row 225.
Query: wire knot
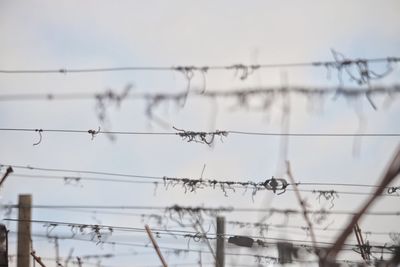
column 276, row 184
column 393, row 189
column 94, row 132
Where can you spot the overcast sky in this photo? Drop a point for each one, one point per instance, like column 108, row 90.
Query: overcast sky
column 95, row 34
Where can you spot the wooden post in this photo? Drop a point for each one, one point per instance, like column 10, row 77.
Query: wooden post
column 3, row 246
column 24, row 230
column 220, row 242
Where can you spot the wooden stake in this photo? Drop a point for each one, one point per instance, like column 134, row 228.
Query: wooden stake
column 24, row 230
column 3, row 246
column 155, row 245
column 220, row 242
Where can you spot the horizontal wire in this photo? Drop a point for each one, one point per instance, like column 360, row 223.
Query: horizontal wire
column 82, row 178
column 128, row 229
column 337, row 184
column 72, row 179
column 32, row 168
column 169, row 231
column 240, row 224
column 82, row 171
column 238, row 92
column 316, row 191
column 271, row 229
column 95, row 132
column 183, row 249
column 167, row 248
column 336, row 63
column 349, row 247
column 198, row 209
column 86, row 131
column 185, row 181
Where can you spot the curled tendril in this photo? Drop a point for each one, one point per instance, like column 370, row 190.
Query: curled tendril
column 188, row 73
column 196, row 237
column 243, row 71
column 320, row 216
column 363, row 74
column 70, row 180
column 200, row 137
column 110, row 97
column 177, row 213
column 39, row 131
column 203, row 72
column 329, row 195
column 49, row 228
column 107, row 99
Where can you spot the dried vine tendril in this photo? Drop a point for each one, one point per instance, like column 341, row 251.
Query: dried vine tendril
column 329, row 195
column 277, row 185
column 200, row 137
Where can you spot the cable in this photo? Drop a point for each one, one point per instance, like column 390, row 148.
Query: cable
column 267, row 226
column 245, row 68
column 95, row 132
column 190, row 184
column 83, row 171
column 239, row 92
column 175, row 249
column 32, row 168
column 76, row 179
column 97, row 228
column 178, row 208
column 240, row 224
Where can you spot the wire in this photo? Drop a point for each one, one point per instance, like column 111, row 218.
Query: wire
column 86, row 131
column 206, row 133
column 243, row 67
column 190, row 184
column 200, row 209
column 83, row 171
column 240, row 224
column 175, row 232
column 32, row 168
column 239, row 92
column 175, row 249
column 138, row 245
column 77, row 179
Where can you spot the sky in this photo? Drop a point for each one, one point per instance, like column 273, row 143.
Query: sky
column 95, row 34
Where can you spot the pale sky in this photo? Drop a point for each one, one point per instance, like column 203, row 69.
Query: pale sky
column 86, row 34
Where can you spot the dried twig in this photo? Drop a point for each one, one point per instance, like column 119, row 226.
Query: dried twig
column 155, row 245
column 37, row 259
column 391, row 173
column 9, row 170
column 303, row 207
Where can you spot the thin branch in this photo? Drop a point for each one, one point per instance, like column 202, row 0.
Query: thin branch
column 303, row 207
column 390, row 174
